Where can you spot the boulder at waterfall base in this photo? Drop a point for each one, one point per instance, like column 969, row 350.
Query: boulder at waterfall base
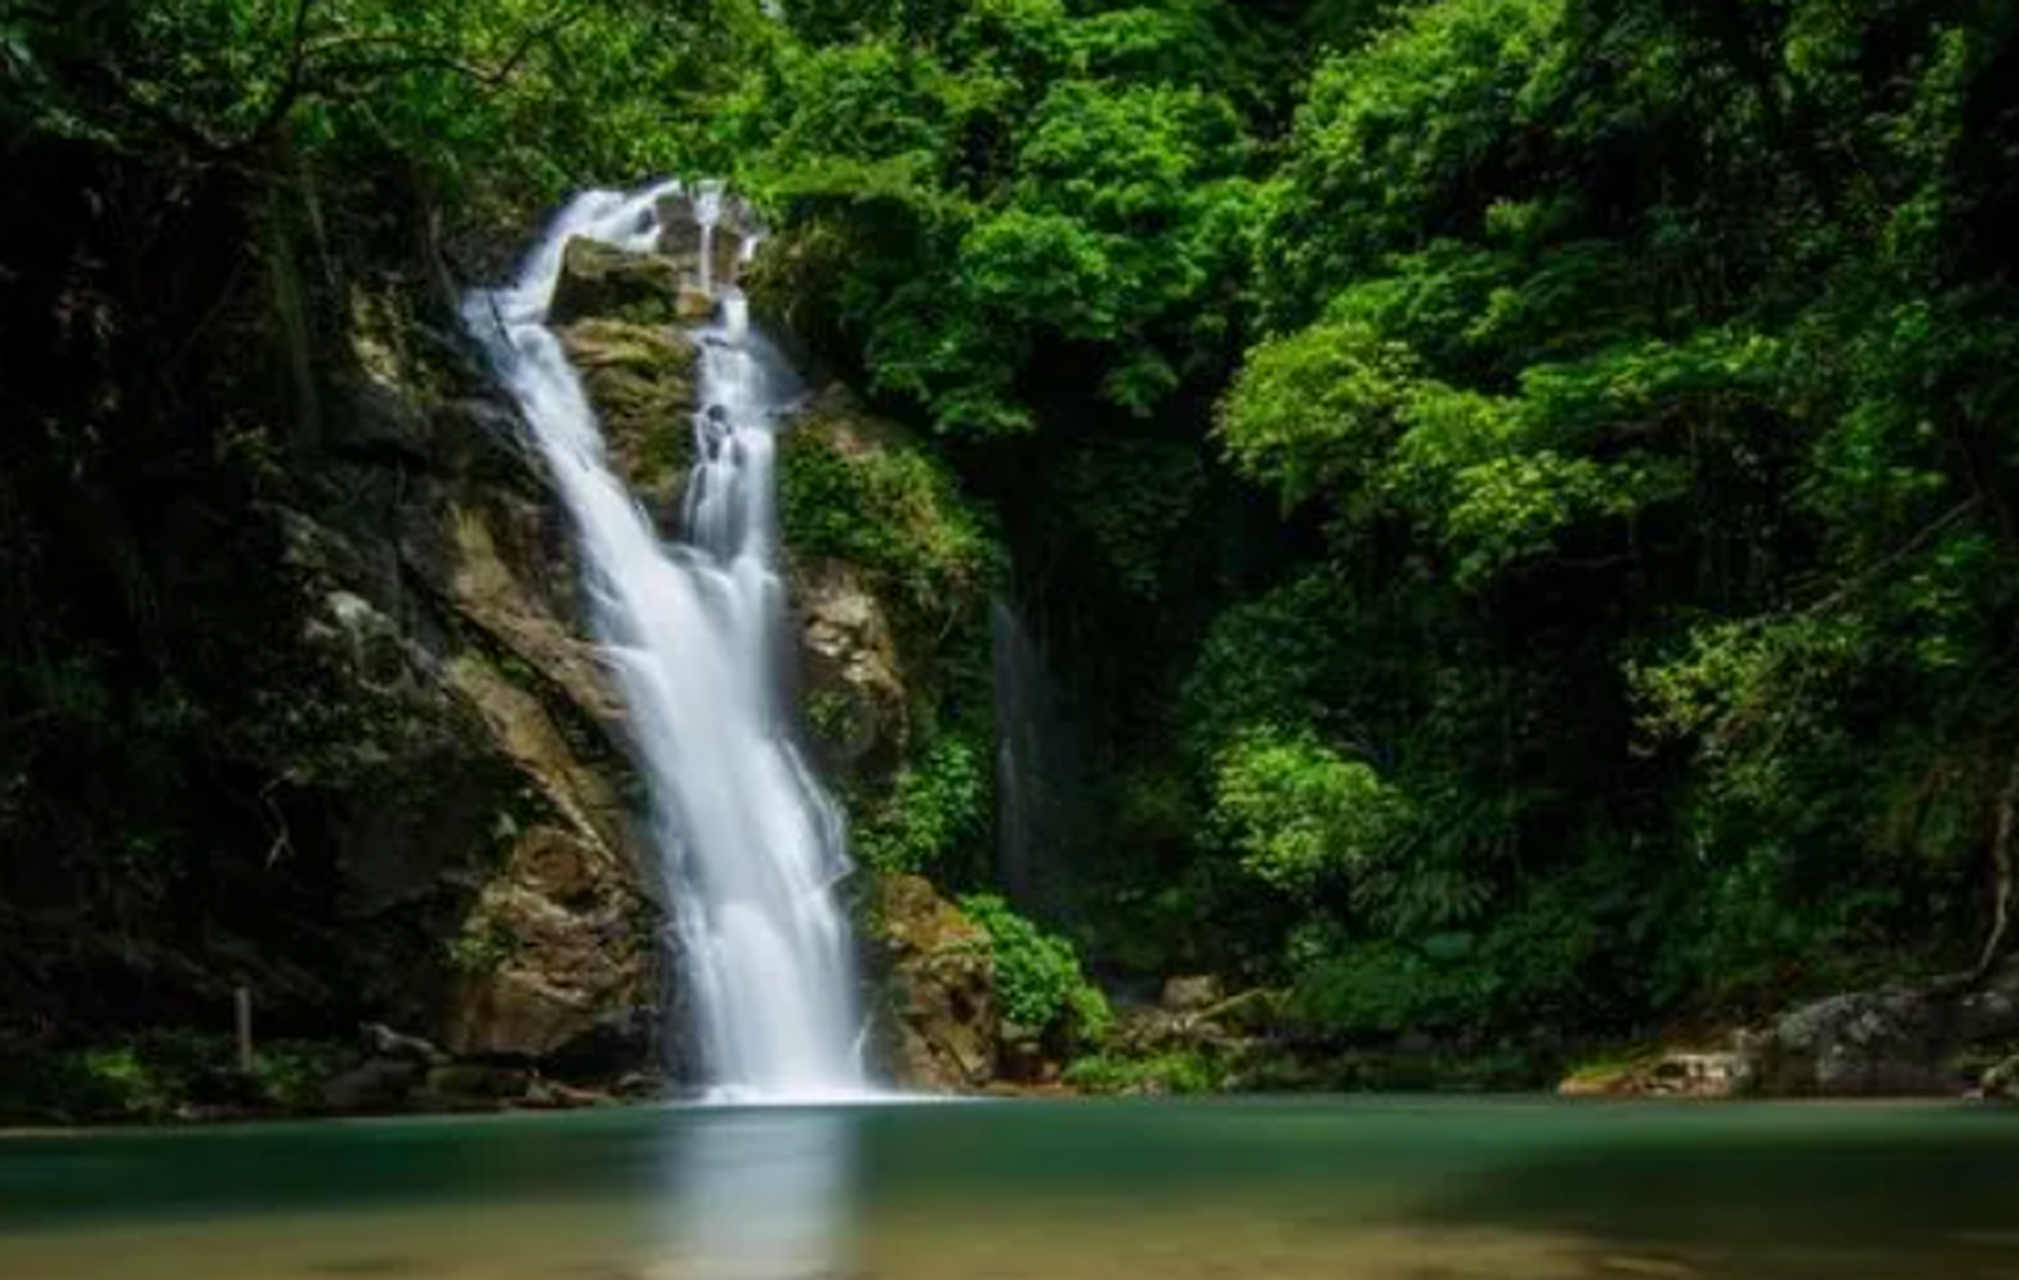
column 942, row 1020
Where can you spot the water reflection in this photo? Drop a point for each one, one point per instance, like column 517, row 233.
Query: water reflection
column 762, row 1194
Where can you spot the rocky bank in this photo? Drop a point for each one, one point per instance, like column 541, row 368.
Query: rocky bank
column 1939, row 1039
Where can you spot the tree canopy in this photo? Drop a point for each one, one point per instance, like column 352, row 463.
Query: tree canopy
column 1523, row 492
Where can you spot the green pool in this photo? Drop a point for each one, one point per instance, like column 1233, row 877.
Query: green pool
column 1393, row 1189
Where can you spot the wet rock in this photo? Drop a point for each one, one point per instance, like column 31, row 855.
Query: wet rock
column 641, row 379
column 385, row 1043
column 489, row 563
column 477, row 1082
column 553, row 1095
column 553, row 946
column 1636, row 1265
column 638, row 1086
column 378, row 419
column 604, row 283
column 940, row 988
column 464, row 708
column 1897, row 1041
column 1671, row 1074
column 855, row 698
column 1022, row 1058
column 620, row 1040
column 1251, row 1013
column 1191, row 994
column 378, row 1084
column 680, row 238
column 694, row 305
column 2001, row 1081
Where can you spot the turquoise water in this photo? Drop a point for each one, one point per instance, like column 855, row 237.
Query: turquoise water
column 1386, row 1189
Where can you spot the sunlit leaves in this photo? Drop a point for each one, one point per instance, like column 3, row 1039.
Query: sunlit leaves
column 1391, row 140
column 1318, row 411
column 1300, row 813
column 1062, row 204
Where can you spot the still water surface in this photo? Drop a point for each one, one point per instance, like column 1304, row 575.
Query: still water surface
column 1385, row 1189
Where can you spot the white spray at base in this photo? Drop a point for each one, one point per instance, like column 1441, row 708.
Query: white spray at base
column 750, row 847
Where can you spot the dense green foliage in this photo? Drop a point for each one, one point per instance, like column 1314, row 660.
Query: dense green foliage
column 854, row 492
column 1521, row 494
column 1174, row 1073
column 1038, row 975
column 1632, row 384
column 166, row 1075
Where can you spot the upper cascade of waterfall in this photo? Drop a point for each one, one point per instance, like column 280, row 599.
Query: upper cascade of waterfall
column 750, row 847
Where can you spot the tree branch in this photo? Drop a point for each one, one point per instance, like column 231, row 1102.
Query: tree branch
column 317, row 69
column 1899, row 553
column 291, row 87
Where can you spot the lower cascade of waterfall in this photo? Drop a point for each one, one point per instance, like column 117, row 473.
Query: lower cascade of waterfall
column 749, row 845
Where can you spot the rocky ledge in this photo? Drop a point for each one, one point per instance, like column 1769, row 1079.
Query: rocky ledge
column 1945, row 1039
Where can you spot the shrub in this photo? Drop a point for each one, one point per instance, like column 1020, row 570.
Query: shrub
column 1038, row 974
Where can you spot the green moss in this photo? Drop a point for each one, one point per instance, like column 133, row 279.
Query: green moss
column 832, row 716
column 1610, row 1067
column 851, row 491
column 484, row 946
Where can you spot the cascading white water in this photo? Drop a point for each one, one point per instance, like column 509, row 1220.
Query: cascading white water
column 750, row 846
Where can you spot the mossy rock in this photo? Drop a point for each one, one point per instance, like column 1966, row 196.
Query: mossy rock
column 944, row 1019
column 609, row 284
column 641, row 380
column 856, row 489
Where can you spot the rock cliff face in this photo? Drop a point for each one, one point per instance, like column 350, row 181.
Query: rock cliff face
column 470, row 767
column 881, row 586
column 411, row 806
column 462, row 632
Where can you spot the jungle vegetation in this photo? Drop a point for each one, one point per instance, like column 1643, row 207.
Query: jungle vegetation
column 1522, row 496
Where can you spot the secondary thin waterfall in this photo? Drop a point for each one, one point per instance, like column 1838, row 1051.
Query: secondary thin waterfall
column 750, row 847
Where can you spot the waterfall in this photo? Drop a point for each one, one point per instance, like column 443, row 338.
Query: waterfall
column 749, row 846
column 1037, row 771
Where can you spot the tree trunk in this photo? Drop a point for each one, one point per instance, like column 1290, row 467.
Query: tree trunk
column 2005, row 881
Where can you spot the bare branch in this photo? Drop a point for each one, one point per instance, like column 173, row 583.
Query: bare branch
column 2005, row 874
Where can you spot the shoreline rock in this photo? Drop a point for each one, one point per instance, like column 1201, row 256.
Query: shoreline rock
column 1933, row 1040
